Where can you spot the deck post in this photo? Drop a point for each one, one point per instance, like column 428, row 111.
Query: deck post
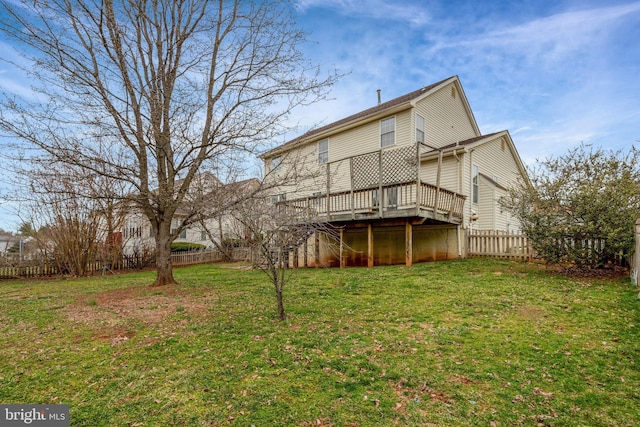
column 342, row 248
column 328, row 192
column 380, row 196
column 408, row 238
column 316, row 248
column 306, row 253
column 418, row 192
column 369, row 245
column 437, row 200
column 353, row 208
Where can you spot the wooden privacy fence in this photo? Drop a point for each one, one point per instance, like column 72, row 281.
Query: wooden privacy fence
column 499, row 244
column 127, row 263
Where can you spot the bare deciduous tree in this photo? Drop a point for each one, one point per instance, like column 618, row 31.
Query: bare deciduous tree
column 64, row 220
column 276, row 233
column 275, row 230
column 154, row 92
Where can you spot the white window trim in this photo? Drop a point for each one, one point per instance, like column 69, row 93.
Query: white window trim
column 394, row 131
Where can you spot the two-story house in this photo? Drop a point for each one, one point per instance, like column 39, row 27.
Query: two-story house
column 208, row 220
column 402, row 180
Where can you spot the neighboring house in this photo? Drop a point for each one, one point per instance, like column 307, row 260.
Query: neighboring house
column 401, row 180
column 7, row 244
column 136, row 234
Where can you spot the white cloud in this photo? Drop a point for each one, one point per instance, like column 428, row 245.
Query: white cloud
column 379, row 9
column 547, row 39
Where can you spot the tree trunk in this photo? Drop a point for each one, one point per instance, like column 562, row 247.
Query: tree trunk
column 164, row 269
column 281, row 313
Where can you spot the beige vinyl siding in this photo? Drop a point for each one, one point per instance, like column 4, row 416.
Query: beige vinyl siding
column 405, row 131
column 449, row 176
column 344, row 145
column 494, row 158
column 299, row 174
column 446, row 119
column 486, row 208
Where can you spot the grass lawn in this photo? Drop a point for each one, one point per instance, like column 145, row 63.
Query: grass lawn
column 470, row 342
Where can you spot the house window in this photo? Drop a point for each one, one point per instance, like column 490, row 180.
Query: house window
column 323, row 151
column 419, row 128
column 203, row 235
column 474, row 183
column 182, row 235
column 275, row 163
column 175, row 224
column 387, row 132
column 279, row 198
column 132, row 230
column 392, row 197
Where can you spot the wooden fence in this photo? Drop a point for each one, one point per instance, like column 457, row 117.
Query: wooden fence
column 499, row 244
column 127, row 263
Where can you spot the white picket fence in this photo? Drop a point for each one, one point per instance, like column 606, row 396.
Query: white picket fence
column 499, row 244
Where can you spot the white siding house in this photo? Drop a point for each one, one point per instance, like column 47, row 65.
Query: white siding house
column 402, row 179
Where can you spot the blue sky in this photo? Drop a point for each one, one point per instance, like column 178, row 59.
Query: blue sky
column 553, row 73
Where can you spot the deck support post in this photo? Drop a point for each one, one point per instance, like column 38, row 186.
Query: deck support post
column 328, row 192
column 408, row 239
column 381, row 200
column 369, row 245
column 418, row 180
column 342, row 248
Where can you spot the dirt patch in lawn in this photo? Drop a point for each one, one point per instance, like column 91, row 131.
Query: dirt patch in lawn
column 110, row 312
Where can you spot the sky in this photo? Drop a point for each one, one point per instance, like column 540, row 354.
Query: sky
column 554, row 73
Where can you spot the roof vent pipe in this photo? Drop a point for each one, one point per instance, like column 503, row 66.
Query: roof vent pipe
column 379, row 97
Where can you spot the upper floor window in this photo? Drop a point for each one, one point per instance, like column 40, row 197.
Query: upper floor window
column 474, row 183
column 323, row 151
column 419, row 128
column 387, row 132
column 275, row 162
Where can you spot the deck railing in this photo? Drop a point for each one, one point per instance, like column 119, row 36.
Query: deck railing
column 431, row 200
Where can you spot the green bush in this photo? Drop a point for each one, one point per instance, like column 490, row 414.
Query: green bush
column 186, row 246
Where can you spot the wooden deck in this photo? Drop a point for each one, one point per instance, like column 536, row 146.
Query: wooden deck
column 403, row 200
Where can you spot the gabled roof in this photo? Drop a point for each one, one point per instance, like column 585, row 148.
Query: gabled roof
column 492, row 181
column 408, row 100
column 469, row 144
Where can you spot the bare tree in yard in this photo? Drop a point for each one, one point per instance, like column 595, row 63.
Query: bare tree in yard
column 275, row 229
column 64, row 220
column 155, row 92
column 275, row 233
